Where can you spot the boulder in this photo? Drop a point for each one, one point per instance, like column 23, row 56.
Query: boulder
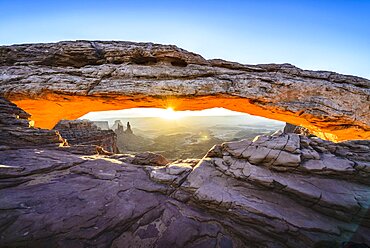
column 149, row 158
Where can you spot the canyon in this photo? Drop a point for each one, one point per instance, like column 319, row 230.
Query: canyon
column 288, row 189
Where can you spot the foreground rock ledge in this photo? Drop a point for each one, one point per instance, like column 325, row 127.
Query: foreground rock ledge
column 284, row 190
column 68, row 79
column 279, row 191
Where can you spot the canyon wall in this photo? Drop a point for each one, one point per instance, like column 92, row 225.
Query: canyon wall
column 85, row 132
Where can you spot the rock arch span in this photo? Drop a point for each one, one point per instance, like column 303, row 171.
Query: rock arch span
column 66, row 80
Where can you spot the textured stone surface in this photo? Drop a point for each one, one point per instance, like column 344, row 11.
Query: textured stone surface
column 230, row 198
column 73, row 78
column 290, row 203
column 148, row 158
column 85, row 132
column 289, row 128
column 101, row 202
column 16, row 130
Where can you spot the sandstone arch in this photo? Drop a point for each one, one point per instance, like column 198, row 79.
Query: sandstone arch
column 66, row 80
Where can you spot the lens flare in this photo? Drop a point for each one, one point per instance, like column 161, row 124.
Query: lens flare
column 171, row 114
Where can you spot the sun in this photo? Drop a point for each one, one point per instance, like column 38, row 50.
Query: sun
column 170, row 114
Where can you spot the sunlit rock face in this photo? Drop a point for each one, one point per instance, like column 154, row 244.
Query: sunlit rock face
column 85, row 132
column 66, row 80
column 289, row 128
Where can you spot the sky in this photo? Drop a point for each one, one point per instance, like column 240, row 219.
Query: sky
column 168, row 113
column 311, row 34
column 171, row 115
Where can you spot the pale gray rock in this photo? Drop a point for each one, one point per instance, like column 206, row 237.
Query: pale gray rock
column 99, row 202
column 324, row 200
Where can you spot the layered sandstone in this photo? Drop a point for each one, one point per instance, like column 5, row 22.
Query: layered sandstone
column 68, row 79
column 17, row 131
column 85, row 132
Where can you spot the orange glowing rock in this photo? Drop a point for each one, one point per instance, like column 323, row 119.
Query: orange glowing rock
column 48, row 110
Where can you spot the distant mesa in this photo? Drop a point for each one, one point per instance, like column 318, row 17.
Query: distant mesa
column 118, row 128
column 85, row 132
column 116, row 124
column 127, row 141
column 103, row 125
column 128, row 129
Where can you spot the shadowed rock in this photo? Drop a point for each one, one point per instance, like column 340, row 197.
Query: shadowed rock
column 289, row 128
column 17, row 131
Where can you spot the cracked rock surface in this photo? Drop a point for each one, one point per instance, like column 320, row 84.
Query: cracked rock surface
column 283, row 190
column 227, row 199
column 98, row 202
